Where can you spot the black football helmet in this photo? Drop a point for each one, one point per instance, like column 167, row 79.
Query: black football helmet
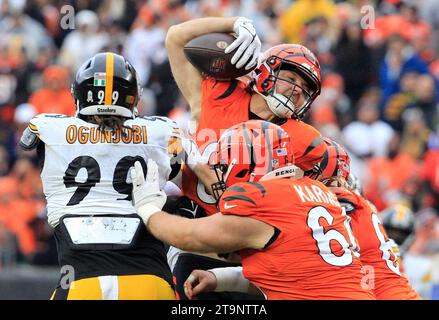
column 106, row 84
column 399, row 222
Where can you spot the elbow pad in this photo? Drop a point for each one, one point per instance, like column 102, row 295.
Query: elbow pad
column 29, row 140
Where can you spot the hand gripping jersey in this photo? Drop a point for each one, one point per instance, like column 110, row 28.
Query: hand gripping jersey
column 226, row 103
column 311, row 257
column 376, row 250
column 86, row 171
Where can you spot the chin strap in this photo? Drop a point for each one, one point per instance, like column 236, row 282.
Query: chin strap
column 277, row 105
column 284, row 172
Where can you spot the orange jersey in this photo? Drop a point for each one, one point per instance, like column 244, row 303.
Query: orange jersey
column 48, row 101
column 376, row 249
column 311, row 257
column 226, row 103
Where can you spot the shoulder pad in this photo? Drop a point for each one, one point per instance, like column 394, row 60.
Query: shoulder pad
column 242, row 196
column 44, row 118
column 161, row 119
column 46, row 124
column 52, row 115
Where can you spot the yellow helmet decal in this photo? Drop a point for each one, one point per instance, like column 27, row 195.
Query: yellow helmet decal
column 109, row 78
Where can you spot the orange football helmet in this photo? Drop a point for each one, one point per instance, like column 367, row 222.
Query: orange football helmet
column 252, row 151
column 292, row 57
column 335, row 164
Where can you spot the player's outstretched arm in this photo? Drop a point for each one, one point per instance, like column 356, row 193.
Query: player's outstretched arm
column 218, row 280
column 216, row 233
column 187, row 77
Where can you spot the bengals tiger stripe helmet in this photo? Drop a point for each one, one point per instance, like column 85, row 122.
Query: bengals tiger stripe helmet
column 335, row 165
column 309, row 149
column 252, row 151
column 292, row 57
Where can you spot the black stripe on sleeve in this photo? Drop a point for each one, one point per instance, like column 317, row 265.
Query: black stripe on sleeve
column 229, row 91
column 259, row 186
column 239, row 197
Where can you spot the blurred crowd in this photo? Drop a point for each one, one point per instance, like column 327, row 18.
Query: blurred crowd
column 380, row 94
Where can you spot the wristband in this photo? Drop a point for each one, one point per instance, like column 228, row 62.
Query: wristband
column 146, row 211
column 230, row 279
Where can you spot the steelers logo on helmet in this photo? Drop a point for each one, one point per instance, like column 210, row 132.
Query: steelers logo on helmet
column 399, row 221
column 106, row 84
column 295, row 58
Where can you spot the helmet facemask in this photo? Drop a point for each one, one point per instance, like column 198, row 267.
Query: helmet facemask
column 314, row 173
column 354, row 184
column 281, row 105
column 222, row 171
column 235, row 163
column 335, row 165
column 337, row 179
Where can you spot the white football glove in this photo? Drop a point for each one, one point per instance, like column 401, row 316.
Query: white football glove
column 247, row 42
column 193, row 154
column 147, row 196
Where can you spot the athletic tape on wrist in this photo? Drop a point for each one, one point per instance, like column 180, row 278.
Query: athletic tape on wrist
column 230, row 279
column 146, row 211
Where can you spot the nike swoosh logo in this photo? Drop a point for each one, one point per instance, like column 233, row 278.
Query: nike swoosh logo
column 226, row 206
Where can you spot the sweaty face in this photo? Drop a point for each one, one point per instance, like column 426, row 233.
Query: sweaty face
column 293, row 86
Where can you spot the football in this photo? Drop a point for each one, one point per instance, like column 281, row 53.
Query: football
column 206, row 53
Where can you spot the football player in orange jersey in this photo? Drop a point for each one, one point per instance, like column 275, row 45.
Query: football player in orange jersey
column 289, row 229
column 281, row 90
column 285, row 84
column 381, row 265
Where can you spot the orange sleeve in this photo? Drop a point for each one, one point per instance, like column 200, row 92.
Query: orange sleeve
column 239, row 199
column 347, row 199
column 251, row 199
column 215, row 92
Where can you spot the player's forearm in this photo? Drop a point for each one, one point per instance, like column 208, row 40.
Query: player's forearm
column 184, row 32
column 197, row 235
column 167, row 228
column 205, row 175
column 232, row 279
column 176, row 231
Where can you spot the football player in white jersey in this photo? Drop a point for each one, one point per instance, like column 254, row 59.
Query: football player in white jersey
column 102, row 244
